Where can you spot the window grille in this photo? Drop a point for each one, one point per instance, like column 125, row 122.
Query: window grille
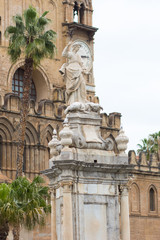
column 17, row 85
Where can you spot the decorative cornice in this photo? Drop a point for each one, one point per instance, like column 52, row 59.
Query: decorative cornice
column 72, row 165
column 72, row 27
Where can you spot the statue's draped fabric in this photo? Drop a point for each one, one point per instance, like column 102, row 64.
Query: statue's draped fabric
column 73, row 74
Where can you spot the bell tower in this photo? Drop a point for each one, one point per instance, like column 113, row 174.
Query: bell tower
column 78, row 11
column 77, row 27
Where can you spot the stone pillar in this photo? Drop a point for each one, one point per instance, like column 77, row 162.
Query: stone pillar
column 53, row 215
column 84, row 17
column 67, row 212
column 113, row 218
column 125, row 224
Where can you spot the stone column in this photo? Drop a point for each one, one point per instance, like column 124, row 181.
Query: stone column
column 113, row 218
column 125, row 224
column 67, row 212
column 53, row 215
column 84, row 17
column 87, row 16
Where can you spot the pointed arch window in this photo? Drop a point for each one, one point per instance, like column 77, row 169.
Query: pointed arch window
column 152, row 199
column 134, row 198
column 17, row 84
column 48, row 149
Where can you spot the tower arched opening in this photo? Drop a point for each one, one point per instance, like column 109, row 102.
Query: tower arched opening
column 75, row 12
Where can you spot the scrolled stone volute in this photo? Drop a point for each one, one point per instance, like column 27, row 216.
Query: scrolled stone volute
column 109, row 144
column 66, row 134
column 122, row 141
column 54, row 146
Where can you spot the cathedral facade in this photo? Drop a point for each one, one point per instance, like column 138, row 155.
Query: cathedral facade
column 72, row 21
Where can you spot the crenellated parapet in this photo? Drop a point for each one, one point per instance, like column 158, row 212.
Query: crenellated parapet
column 143, row 162
column 113, row 120
column 110, row 126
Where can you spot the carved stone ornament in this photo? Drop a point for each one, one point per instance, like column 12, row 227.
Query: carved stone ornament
column 85, row 122
column 55, row 147
column 78, row 138
column 83, row 107
column 66, row 134
column 124, row 188
column 109, row 144
column 122, row 141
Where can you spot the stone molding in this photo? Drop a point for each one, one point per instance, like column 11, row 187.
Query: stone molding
column 21, row 63
column 74, row 165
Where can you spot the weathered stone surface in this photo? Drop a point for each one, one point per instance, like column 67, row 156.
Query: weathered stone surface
column 94, row 192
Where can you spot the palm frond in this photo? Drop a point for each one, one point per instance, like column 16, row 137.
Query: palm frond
column 149, row 145
column 49, row 35
column 30, row 16
column 18, row 20
column 24, row 203
column 14, row 53
column 42, row 22
column 28, row 35
column 45, row 13
column 10, row 30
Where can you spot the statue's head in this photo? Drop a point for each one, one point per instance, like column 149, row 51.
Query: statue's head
column 76, row 47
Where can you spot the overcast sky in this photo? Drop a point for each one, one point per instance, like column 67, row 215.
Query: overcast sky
column 127, row 63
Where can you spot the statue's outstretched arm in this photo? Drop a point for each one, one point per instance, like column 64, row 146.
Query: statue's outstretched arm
column 66, row 49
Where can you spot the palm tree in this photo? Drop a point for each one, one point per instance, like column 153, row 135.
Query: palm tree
column 4, row 197
column 23, row 203
column 154, row 140
column 144, row 146
column 28, row 38
column 150, row 145
column 10, row 212
column 32, row 197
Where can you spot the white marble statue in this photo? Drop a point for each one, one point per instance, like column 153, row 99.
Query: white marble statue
column 73, row 72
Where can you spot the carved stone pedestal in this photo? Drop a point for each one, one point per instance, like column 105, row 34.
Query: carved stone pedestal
column 86, row 177
column 87, row 204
